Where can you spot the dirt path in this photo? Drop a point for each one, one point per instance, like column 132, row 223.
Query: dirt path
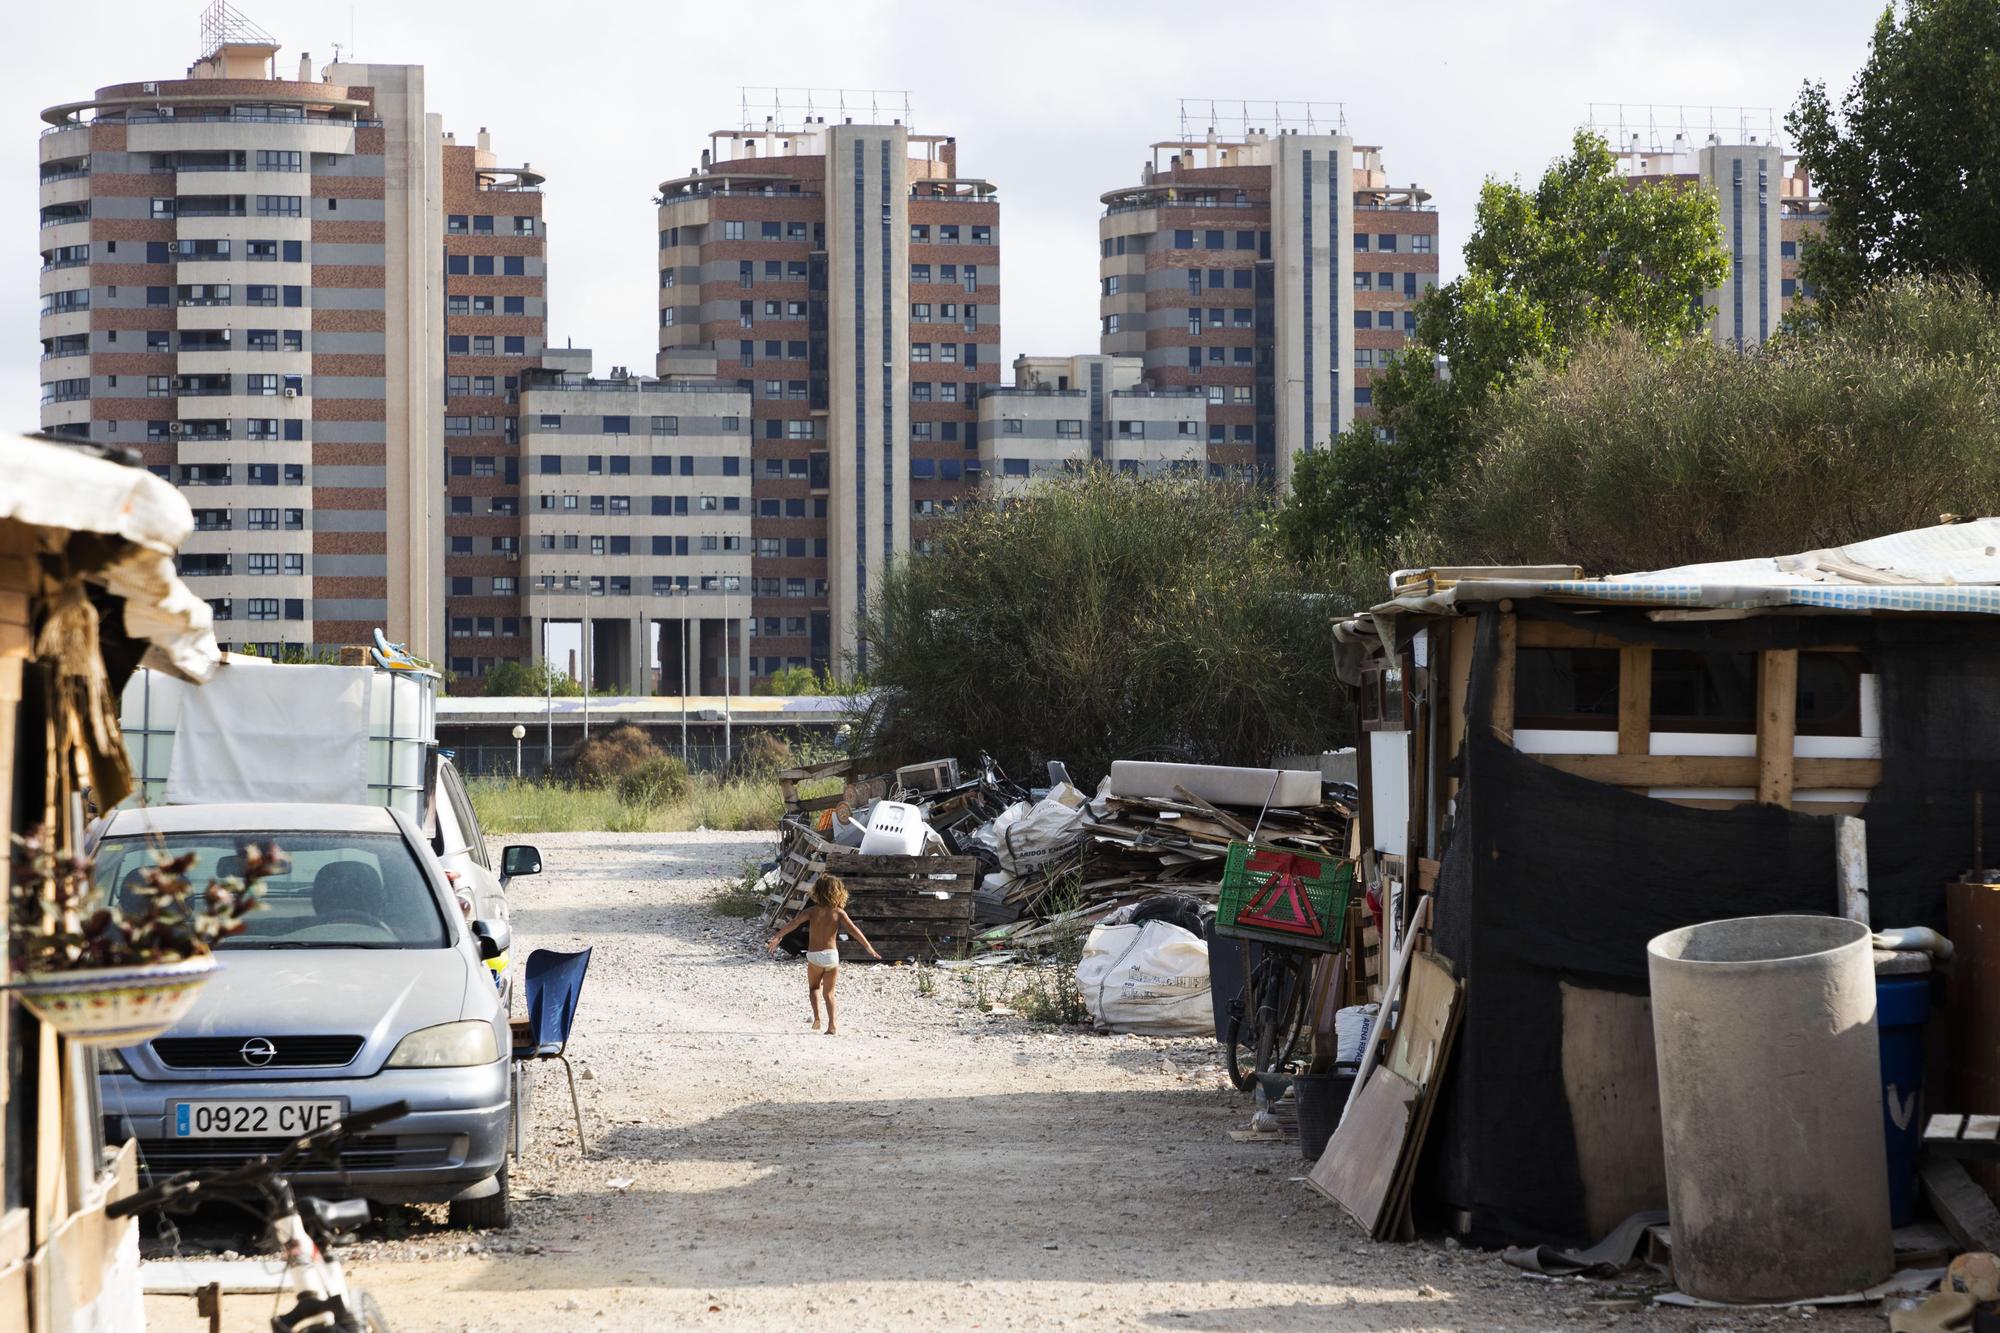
column 932, row 1167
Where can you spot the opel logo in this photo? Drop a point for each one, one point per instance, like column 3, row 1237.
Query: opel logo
column 258, row 1051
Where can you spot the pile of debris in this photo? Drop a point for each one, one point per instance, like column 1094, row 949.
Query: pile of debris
column 1044, row 858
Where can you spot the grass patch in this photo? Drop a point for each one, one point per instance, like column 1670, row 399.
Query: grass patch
column 516, row 805
column 742, row 897
column 1049, row 993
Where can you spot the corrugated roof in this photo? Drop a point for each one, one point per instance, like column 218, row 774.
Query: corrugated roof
column 1953, row 568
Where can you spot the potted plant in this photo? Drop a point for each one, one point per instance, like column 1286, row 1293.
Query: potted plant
column 113, row 969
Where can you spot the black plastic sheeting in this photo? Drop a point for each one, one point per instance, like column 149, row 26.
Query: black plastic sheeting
column 1551, row 878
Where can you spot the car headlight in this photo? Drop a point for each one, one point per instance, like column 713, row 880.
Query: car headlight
column 447, row 1046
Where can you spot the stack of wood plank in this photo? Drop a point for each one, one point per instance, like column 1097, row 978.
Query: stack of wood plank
column 1370, row 1163
column 1140, row 847
column 911, row 908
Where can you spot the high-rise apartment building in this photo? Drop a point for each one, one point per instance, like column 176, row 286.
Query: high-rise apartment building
column 1063, row 412
column 637, row 496
column 849, row 277
column 495, row 328
column 1764, row 198
column 1274, row 270
column 244, row 278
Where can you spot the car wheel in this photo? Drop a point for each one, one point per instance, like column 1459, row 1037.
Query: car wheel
column 490, row 1213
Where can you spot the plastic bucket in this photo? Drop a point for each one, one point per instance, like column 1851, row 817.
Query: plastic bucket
column 1902, row 1004
column 1322, row 1099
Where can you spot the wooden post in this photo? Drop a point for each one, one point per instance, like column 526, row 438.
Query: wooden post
column 1850, row 853
column 1777, row 720
column 1503, row 675
column 1635, row 700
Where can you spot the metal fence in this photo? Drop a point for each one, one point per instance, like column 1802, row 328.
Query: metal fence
column 499, row 761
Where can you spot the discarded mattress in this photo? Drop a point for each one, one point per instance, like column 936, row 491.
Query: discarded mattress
column 1252, row 787
column 1149, row 978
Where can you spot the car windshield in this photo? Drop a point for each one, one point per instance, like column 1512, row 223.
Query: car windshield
column 342, row 890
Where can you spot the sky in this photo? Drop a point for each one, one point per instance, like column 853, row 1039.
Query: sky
column 1054, row 100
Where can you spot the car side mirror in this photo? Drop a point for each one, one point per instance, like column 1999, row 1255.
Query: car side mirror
column 495, row 938
column 520, row 859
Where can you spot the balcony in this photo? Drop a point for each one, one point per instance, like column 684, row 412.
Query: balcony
column 235, row 117
column 51, row 177
column 1159, row 393
column 1029, row 391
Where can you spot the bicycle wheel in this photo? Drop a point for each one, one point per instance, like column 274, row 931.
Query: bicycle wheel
column 367, row 1315
column 1245, row 1031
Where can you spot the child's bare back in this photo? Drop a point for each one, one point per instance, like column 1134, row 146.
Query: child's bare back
column 825, row 919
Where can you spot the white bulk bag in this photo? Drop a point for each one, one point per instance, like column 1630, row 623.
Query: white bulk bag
column 1150, row 978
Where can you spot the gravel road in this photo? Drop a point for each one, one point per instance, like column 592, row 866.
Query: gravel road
column 933, row 1166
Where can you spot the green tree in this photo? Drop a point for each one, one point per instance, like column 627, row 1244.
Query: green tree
column 535, row 679
column 1583, row 252
column 1910, row 166
column 1627, row 459
column 1097, row 617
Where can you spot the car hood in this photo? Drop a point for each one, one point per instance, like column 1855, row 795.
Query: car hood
column 377, row 993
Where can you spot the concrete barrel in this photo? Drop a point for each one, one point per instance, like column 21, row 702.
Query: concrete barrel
column 1770, row 1078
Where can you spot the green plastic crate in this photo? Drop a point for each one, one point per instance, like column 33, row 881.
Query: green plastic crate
column 1278, row 896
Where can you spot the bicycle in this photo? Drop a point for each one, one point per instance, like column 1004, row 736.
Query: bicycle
column 304, row 1228
column 1268, row 1020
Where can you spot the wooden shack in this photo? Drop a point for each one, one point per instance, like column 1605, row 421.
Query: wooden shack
column 87, row 591
column 1574, row 765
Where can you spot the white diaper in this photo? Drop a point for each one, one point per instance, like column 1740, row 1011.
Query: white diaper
column 823, row 957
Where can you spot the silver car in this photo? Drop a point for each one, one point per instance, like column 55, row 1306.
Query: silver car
column 359, row 983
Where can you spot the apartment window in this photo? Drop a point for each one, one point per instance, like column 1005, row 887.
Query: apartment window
column 732, row 231
column 264, row 386
column 617, row 425
column 1069, row 430
column 456, row 223
column 1135, row 430
column 262, row 608
column 482, row 266
column 482, row 224
column 482, row 346
column 262, row 562
column 457, row 265
column 258, row 294
column 920, row 351
column 1010, row 426
column 278, row 206
column 1184, row 239
column 920, row 311
column 278, row 159
column 524, row 226
column 515, row 266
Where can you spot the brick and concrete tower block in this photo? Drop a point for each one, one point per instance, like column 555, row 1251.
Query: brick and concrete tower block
column 1274, row 267
column 847, row 276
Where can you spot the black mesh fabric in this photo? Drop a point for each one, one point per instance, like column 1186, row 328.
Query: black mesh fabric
column 1549, row 877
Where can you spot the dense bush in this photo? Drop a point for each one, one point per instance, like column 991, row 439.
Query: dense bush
column 656, row 781
column 1096, row 617
column 610, row 755
column 530, row 680
column 761, row 754
column 1626, row 460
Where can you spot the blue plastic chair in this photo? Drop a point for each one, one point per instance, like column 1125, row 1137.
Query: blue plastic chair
column 554, row 981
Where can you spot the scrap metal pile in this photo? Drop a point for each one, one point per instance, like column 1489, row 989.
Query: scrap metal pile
column 1046, row 857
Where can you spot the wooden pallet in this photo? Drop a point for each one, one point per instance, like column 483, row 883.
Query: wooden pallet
column 909, row 907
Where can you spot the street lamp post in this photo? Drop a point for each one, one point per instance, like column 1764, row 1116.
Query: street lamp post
column 684, row 677
column 728, row 653
column 519, row 732
column 548, row 684
column 584, row 657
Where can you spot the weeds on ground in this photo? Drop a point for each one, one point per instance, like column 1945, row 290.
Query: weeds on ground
column 517, row 805
column 1049, row 993
column 926, row 981
column 740, row 897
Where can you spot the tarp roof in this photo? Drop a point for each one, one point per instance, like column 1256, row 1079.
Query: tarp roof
column 68, row 489
column 1953, row 568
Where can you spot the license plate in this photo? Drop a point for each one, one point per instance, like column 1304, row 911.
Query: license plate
column 252, row 1119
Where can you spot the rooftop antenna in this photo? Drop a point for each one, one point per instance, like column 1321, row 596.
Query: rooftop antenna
column 223, row 25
